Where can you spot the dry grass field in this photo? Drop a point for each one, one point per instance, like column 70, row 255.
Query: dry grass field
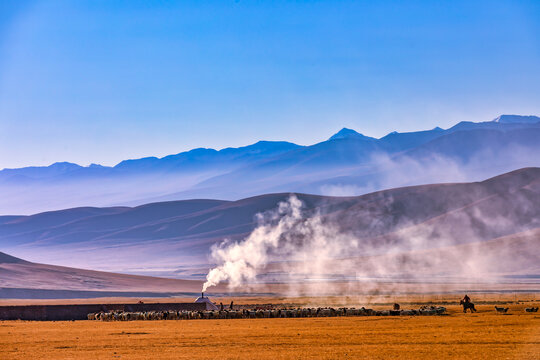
column 483, row 335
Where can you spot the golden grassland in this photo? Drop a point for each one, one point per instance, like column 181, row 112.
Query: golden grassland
column 483, row 335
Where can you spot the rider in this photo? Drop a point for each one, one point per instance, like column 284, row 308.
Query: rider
column 466, row 299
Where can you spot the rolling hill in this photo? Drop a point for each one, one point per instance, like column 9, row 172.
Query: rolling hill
column 174, row 238
column 27, row 280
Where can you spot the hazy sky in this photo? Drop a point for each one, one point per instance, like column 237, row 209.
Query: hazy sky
column 102, row 81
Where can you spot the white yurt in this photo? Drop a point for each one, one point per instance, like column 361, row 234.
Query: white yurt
column 209, row 305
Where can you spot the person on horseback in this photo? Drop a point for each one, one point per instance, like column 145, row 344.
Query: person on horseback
column 467, row 304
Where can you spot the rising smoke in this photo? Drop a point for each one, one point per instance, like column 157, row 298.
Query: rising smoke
column 310, row 253
column 385, row 171
column 284, row 234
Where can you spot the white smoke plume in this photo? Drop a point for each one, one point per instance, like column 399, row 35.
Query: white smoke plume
column 285, row 234
column 240, row 261
column 306, row 252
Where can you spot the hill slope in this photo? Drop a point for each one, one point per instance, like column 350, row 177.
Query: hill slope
column 23, row 279
column 173, row 238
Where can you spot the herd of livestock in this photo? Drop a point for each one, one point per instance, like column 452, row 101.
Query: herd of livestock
column 504, row 310
column 259, row 313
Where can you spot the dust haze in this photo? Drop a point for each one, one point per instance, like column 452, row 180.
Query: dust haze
column 311, row 255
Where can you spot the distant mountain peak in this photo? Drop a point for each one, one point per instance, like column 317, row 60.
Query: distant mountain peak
column 64, row 164
column 95, row 166
column 517, row 119
column 346, row 133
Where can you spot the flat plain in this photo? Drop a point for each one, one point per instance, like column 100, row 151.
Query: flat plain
column 482, row 335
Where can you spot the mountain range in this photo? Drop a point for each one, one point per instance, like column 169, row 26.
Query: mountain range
column 348, row 163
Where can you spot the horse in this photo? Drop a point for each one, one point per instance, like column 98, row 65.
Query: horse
column 467, row 305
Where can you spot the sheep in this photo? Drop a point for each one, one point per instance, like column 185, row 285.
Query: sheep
column 440, row 310
column 501, row 309
column 268, row 313
column 368, row 312
column 427, row 310
column 408, row 312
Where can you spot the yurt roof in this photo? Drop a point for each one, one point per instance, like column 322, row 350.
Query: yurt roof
column 209, row 304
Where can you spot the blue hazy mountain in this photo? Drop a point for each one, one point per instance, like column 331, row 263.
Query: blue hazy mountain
column 348, row 163
column 349, row 134
column 204, row 159
column 517, row 119
column 193, row 160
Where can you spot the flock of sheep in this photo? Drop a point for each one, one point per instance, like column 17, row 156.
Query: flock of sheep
column 504, row 310
column 252, row 314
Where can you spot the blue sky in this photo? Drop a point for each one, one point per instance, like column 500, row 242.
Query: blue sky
column 102, row 81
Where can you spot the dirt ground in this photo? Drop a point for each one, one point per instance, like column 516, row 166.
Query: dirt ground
column 342, row 300
column 483, row 335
